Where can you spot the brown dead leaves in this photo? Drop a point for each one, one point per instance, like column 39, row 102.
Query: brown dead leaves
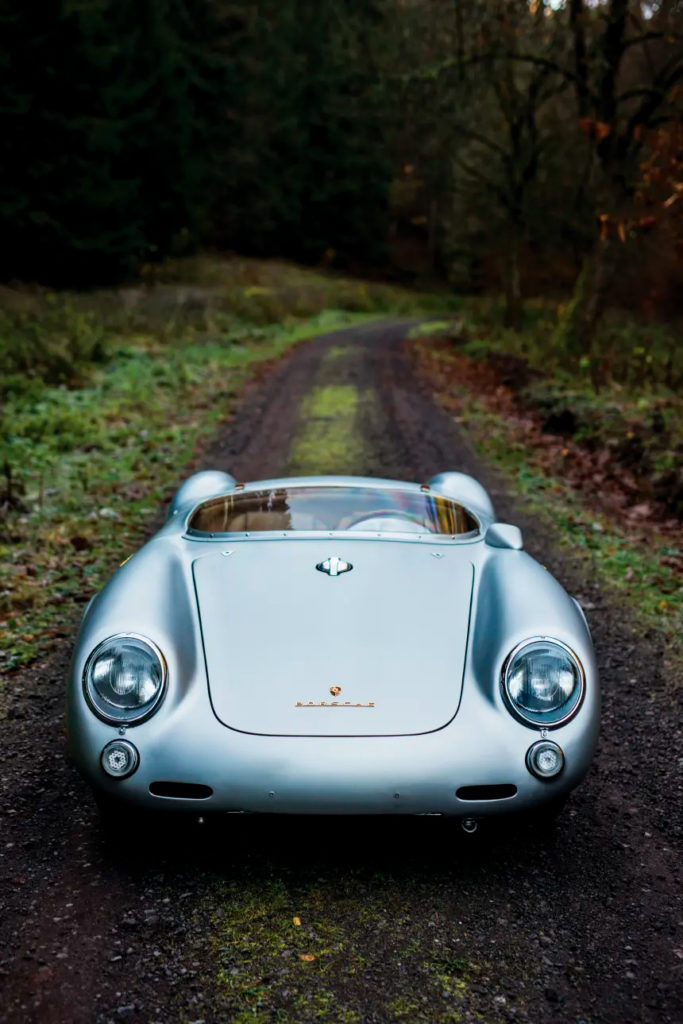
column 606, row 485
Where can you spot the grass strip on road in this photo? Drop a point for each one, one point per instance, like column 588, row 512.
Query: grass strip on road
column 329, row 440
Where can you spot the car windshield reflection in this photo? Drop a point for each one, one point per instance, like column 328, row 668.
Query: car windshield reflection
column 332, row 508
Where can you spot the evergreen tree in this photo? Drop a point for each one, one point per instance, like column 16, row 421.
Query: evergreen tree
column 100, row 166
column 302, row 166
column 134, row 129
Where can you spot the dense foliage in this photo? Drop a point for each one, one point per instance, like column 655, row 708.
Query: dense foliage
column 134, row 129
column 526, row 144
column 99, row 135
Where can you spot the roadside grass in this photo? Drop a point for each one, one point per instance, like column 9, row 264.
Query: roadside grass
column 626, row 351
column 56, row 337
column 108, row 398
column 636, row 562
column 624, row 400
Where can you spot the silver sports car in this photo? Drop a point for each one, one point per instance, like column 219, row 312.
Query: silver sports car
column 333, row 645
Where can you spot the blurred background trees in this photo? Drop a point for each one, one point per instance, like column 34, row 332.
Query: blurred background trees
column 135, row 129
column 526, row 146
column 101, row 131
column 545, row 119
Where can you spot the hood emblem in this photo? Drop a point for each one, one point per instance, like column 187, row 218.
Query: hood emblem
column 334, row 566
column 335, row 691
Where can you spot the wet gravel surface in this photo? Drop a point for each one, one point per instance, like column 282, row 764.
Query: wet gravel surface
column 577, row 924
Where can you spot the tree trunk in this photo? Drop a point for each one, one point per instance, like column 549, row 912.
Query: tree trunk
column 433, row 234
column 513, row 289
column 575, row 332
column 603, row 267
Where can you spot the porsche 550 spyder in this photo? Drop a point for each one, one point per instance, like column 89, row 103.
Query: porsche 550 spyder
column 333, row 645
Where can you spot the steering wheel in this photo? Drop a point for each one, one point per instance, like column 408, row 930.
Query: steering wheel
column 388, row 513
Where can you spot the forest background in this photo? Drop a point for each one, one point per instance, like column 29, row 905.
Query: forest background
column 517, row 164
column 498, row 144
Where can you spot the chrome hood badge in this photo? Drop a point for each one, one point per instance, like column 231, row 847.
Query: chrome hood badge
column 334, row 566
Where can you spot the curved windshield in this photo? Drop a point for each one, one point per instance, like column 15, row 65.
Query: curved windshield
column 332, row 508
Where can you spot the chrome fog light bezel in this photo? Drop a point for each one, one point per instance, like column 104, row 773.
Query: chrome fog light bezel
column 542, row 720
column 130, row 750
column 536, row 749
column 95, row 702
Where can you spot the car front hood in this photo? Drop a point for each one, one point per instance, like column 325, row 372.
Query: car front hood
column 378, row 650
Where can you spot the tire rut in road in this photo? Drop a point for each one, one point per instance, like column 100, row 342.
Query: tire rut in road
column 421, row 924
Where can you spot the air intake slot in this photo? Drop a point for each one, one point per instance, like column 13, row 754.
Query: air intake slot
column 501, row 792
column 181, row 790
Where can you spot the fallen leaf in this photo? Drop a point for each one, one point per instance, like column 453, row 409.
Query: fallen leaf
column 297, row 921
column 307, row 957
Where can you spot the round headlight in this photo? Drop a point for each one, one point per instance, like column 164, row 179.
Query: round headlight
column 124, row 678
column 543, row 681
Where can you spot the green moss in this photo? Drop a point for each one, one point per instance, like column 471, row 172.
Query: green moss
column 328, row 440
column 354, row 926
column 334, row 402
column 431, row 328
column 338, row 352
column 263, row 956
column 404, row 1010
column 567, row 337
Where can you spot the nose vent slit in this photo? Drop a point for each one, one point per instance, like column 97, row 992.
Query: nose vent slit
column 181, row 790
column 500, row 792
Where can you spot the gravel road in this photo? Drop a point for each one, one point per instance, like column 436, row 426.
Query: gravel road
column 407, row 920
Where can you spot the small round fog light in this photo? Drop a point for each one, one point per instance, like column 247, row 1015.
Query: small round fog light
column 545, row 759
column 119, row 759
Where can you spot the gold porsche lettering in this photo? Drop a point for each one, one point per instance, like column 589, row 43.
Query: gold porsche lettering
column 333, row 704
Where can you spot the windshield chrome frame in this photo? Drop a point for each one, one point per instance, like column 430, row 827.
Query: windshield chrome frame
column 406, row 538
column 200, row 535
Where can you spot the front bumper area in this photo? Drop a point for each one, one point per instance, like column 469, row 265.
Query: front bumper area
column 393, row 775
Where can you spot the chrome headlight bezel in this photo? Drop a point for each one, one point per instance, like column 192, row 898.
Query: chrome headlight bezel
column 542, row 719
column 109, row 712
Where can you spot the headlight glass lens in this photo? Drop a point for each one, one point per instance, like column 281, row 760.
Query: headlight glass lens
column 125, row 678
column 543, row 682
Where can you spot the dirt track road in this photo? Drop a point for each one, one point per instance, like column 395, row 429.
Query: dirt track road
column 408, row 920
